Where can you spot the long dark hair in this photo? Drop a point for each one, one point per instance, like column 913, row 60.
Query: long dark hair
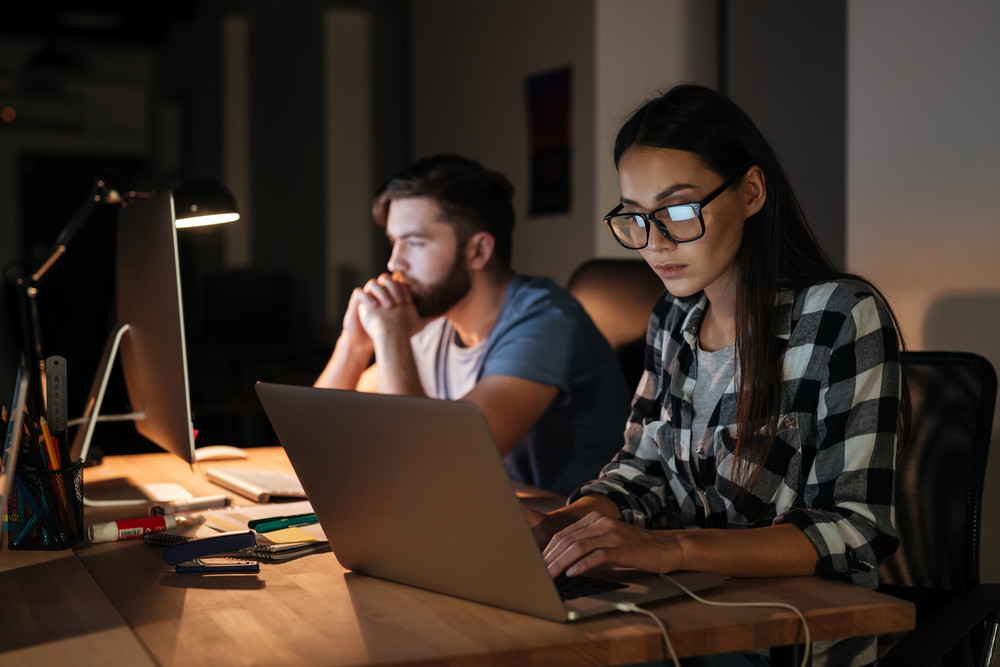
column 779, row 250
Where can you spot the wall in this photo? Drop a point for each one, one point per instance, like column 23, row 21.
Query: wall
column 922, row 175
column 684, row 49
column 475, row 104
column 96, row 110
column 314, row 101
column 797, row 102
column 470, row 62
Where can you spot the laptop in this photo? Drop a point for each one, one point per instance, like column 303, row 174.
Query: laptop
column 413, row 490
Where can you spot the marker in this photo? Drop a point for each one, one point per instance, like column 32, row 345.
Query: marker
column 130, row 529
column 190, row 505
column 279, row 522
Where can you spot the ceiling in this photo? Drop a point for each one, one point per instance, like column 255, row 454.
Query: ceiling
column 102, row 21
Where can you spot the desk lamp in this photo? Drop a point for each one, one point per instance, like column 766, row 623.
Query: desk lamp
column 197, row 202
column 201, row 201
column 192, row 201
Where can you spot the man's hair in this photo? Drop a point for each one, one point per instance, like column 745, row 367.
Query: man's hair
column 471, row 198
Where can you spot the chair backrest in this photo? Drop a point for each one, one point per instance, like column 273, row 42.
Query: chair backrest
column 940, row 473
column 619, row 295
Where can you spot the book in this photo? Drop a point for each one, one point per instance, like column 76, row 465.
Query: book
column 255, row 484
column 273, row 553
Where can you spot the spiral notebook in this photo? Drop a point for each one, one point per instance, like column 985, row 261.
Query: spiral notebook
column 272, row 553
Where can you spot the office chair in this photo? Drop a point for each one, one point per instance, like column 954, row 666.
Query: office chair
column 940, row 474
column 619, row 295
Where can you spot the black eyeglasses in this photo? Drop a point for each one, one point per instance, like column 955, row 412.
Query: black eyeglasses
column 679, row 223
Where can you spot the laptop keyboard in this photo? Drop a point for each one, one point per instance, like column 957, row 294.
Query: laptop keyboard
column 580, row 587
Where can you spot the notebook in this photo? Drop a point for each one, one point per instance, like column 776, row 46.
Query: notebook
column 261, row 486
column 414, row 490
column 271, row 553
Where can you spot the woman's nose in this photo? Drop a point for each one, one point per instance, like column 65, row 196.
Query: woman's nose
column 658, row 241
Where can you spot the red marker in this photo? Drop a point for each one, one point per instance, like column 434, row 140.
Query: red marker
column 130, row 529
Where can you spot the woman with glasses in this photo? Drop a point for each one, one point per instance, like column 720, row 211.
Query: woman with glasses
column 764, row 428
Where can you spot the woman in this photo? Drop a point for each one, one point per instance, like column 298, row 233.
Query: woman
column 770, row 399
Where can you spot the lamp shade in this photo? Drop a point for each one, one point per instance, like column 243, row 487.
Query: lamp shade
column 202, row 201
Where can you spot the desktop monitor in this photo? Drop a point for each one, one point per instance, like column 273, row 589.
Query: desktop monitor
column 150, row 332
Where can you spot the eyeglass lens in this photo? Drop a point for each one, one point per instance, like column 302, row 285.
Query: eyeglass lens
column 679, row 223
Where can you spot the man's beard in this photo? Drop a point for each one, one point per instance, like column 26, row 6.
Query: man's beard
column 437, row 299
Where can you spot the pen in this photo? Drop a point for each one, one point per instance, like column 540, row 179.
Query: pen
column 279, row 522
column 32, row 444
column 190, row 504
column 50, row 448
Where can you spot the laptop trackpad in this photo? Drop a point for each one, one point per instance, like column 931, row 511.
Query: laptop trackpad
column 636, row 587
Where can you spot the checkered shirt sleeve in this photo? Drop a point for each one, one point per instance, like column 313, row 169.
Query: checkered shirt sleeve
column 831, row 470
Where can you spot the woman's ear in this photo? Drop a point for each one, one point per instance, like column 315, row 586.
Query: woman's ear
column 479, row 250
column 753, row 191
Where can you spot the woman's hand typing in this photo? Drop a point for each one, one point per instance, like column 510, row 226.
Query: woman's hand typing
column 598, row 539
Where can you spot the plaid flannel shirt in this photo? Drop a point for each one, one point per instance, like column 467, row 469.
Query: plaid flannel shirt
column 831, row 470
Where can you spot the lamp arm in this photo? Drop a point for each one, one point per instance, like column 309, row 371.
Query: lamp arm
column 27, row 286
column 59, row 247
column 102, row 192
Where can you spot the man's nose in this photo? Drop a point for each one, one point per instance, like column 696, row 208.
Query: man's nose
column 396, row 260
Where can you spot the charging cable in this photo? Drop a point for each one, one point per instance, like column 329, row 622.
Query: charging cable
column 631, row 608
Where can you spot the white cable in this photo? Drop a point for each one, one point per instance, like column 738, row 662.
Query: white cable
column 781, row 605
column 632, row 608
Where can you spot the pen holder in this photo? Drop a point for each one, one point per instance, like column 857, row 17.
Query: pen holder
column 45, row 509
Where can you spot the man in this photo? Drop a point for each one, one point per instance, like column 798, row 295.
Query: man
column 452, row 320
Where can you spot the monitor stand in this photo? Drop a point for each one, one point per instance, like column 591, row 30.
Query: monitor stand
column 151, row 493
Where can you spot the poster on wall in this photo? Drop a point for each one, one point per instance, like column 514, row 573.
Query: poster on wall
column 549, row 131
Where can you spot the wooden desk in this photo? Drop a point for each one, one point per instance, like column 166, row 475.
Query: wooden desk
column 310, row 611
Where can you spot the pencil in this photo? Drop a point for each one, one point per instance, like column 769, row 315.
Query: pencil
column 50, row 449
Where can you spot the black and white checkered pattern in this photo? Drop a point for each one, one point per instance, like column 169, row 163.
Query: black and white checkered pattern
column 831, row 470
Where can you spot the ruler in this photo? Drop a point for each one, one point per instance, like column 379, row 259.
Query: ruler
column 55, row 396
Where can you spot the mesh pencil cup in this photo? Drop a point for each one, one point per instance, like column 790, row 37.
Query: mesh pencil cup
column 45, row 509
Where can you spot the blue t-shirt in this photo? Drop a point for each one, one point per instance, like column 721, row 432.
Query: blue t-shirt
column 541, row 334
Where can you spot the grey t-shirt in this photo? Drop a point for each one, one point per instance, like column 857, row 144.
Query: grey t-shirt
column 715, row 373
column 541, row 334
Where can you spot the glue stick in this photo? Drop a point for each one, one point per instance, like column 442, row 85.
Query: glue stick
column 130, row 529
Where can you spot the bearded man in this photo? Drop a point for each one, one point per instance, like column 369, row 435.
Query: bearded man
column 451, row 320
